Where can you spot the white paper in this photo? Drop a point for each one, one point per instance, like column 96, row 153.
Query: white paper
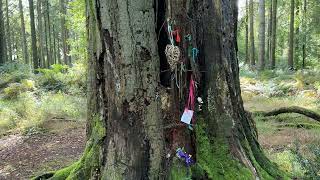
column 187, row 116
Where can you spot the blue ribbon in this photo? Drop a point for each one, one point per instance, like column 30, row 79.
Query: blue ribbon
column 195, row 53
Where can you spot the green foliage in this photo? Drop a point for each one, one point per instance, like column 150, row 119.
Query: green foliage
column 14, row 72
column 15, row 89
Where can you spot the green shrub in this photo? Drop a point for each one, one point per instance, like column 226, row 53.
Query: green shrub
column 15, row 89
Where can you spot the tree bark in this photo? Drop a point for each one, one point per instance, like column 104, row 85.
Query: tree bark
column 23, row 34
column 33, row 37
column 8, row 34
column 274, row 34
column 125, row 122
column 251, row 33
column 3, row 51
column 262, row 36
column 291, row 37
column 48, row 33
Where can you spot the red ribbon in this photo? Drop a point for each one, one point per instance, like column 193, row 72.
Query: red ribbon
column 176, row 33
column 191, row 98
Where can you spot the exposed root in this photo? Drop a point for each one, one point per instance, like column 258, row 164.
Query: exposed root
column 293, row 109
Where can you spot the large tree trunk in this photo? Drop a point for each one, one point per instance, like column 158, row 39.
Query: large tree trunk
column 273, row 42
column 291, row 36
column 262, row 34
column 251, row 34
column 3, row 53
column 23, row 34
column 269, row 34
column 33, row 36
column 125, row 127
column 40, row 35
column 304, row 29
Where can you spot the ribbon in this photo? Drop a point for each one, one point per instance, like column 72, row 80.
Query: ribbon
column 190, row 103
column 195, row 53
column 170, row 34
column 184, row 156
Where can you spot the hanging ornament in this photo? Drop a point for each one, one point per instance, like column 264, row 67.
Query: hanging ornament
column 173, row 55
column 189, row 109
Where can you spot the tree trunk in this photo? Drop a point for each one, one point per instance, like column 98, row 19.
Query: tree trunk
column 304, row 27
column 33, row 37
column 291, row 37
column 40, row 35
column 247, row 34
column 64, row 33
column 8, row 35
column 3, row 52
column 273, row 34
column 269, row 35
column 125, row 121
column 262, row 34
column 251, row 32
column 48, row 33
column 23, row 34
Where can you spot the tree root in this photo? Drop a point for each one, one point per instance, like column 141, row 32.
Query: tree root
column 293, row 109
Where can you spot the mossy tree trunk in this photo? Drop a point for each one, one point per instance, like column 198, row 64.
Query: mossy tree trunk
column 126, row 124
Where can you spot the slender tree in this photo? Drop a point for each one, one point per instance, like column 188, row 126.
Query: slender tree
column 40, row 34
column 247, row 34
column 3, row 52
column 251, row 34
column 33, row 36
column 64, row 33
column 23, row 34
column 8, row 34
column 273, row 42
column 269, row 34
column 304, row 27
column 125, row 123
column 291, row 37
column 262, row 32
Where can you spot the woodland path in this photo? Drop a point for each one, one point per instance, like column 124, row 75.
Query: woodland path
column 22, row 157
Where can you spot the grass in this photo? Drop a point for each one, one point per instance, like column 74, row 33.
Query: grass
column 280, row 135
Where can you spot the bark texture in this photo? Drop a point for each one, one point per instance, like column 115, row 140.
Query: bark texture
column 8, row 34
column 64, row 33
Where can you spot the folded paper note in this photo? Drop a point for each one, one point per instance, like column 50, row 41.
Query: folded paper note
column 187, row 116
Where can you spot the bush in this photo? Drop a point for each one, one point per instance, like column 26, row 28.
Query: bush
column 15, row 89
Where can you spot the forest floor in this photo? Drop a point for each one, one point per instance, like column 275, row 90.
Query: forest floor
column 58, row 145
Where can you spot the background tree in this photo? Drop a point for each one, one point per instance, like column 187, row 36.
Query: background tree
column 8, row 34
column 3, row 52
column 247, row 60
column 251, row 34
column 262, row 32
column 64, row 33
column 33, row 36
column 273, row 34
column 291, row 37
column 23, row 34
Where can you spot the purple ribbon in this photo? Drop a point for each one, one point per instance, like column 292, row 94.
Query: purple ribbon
column 184, row 156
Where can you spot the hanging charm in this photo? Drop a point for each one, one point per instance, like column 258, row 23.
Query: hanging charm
column 173, row 55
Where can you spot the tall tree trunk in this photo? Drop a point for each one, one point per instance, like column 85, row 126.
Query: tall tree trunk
column 304, row 27
column 262, row 34
column 269, row 35
column 273, row 42
column 8, row 35
column 64, row 33
column 40, row 34
column 3, row 51
column 48, row 33
column 33, row 37
column 291, row 37
column 251, row 33
column 247, row 34
column 125, row 123
column 296, row 51
column 23, row 34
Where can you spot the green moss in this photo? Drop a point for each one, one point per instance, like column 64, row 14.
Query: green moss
column 64, row 173
column 216, row 160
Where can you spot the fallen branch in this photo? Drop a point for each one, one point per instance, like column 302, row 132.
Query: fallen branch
column 293, row 109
